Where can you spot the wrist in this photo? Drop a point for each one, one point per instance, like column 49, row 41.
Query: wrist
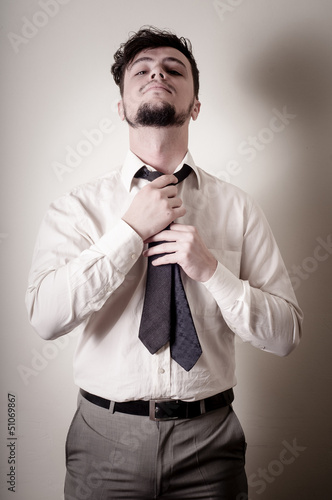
column 209, row 272
column 134, row 227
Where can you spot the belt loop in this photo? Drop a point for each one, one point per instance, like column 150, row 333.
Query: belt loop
column 202, row 406
column 112, row 405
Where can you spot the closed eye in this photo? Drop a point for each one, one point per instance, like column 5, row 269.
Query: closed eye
column 170, row 71
column 174, row 72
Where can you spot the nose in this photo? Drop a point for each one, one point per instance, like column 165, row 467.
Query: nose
column 154, row 74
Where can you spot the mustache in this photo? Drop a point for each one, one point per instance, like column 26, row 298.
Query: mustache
column 166, row 85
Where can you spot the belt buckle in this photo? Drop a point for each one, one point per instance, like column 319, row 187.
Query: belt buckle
column 164, row 413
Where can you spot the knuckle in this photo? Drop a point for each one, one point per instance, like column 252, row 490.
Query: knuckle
column 164, row 203
column 185, row 255
column 191, row 238
column 187, row 248
column 158, row 195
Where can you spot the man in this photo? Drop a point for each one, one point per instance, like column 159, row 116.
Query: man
column 154, row 418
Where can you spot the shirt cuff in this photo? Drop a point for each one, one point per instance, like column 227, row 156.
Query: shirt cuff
column 122, row 245
column 225, row 287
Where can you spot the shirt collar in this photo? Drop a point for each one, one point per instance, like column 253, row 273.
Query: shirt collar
column 132, row 163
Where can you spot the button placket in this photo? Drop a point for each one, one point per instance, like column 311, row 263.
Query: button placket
column 163, row 380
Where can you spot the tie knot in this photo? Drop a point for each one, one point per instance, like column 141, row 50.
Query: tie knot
column 145, row 173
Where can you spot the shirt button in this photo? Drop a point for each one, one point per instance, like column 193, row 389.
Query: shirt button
column 133, row 256
column 161, row 370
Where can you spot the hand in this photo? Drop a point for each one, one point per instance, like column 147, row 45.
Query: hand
column 155, row 206
column 184, row 246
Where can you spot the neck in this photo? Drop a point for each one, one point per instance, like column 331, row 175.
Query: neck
column 162, row 148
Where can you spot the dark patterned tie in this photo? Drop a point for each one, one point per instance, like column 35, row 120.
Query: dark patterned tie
column 166, row 314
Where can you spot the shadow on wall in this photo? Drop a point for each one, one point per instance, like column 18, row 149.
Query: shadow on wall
column 296, row 72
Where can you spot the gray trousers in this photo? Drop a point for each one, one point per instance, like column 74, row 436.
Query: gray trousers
column 118, row 456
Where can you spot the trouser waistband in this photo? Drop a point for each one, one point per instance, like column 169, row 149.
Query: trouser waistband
column 158, row 409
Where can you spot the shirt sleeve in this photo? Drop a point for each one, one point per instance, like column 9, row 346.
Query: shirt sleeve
column 72, row 276
column 260, row 305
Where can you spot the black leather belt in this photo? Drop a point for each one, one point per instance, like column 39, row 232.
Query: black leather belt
column 158, row 409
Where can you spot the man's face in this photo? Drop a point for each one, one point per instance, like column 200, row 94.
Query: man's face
column 158, row 89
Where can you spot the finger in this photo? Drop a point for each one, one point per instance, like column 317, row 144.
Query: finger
column 165, row 235
column 170, row 258
column 170, row 191
column 179, row 212
column 164, row 180
column 176, row 232
column 162, row 248
column 181, row 228
column 175, row 203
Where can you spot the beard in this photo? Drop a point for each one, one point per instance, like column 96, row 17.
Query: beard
column 158, row 115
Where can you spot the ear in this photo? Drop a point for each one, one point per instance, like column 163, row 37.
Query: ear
column 121, row 110
column 196, row 109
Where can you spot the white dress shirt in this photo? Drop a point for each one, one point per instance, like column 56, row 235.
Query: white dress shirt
column 88, row 272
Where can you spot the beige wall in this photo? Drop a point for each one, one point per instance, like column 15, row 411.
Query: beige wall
column 258, row 59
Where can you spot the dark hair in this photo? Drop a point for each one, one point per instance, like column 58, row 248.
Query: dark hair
column 150, row 38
